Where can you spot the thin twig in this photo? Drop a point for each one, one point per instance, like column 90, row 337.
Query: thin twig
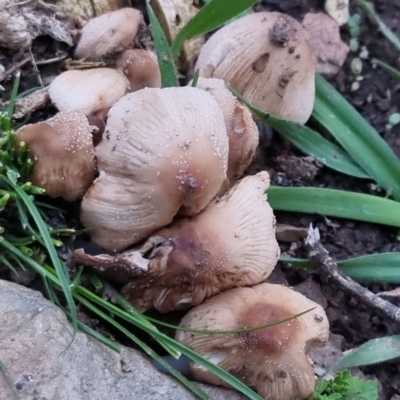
column 327, row 267
column 16, row 66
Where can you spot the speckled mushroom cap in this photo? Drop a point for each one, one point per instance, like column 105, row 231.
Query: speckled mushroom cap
column 63, row 154
column 267, row 58
column 231, row 243
column 108, row 33
column 242, row 130
column 91, row 92
column 141, row 68
column 271, row 360
column 163, row 151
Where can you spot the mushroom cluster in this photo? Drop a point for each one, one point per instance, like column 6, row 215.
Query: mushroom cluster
column 159, row 176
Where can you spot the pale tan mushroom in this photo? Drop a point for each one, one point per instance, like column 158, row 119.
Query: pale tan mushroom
column 163, row 151
column 91, row 92
column 242, row 130
column 272, row 360
column 108, row 33
column 141, row 68
column 63, row 154
column 231, row 243
column 267, row 58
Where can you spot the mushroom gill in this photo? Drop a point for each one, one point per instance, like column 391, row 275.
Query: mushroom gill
column 231, row 243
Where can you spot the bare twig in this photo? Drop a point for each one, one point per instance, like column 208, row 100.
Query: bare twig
column 327, row 267
column 16, row 66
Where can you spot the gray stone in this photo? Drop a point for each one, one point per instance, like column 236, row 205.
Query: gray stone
column 34, row 339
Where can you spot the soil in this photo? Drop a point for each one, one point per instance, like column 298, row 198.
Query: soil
column 377, row 97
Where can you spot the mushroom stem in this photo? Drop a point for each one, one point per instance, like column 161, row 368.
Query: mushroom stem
column 129, row 264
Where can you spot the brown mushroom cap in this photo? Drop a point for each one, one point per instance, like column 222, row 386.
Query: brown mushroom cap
column 108, row 33
column 141, row 68
column 91, row 91
column 242, row 130
column 267, row 58
column 231, row 243
column 63, row 154
column 271, row 360
column 163, row 151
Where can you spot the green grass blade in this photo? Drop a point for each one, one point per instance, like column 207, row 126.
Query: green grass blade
column 191, row 386
column 312, row 143
column 335, row 203
column 383, row 268
column 61, row 272
column 372, row 352
column 222, row 374
column 14, row 94
column 388, row 68
column 357, row 137
column 211, row 16
column 164, row 55
column 382, row 26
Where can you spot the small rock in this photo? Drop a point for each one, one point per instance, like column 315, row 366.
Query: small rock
column 338, row 10
column 324, row 36
column 34, row 339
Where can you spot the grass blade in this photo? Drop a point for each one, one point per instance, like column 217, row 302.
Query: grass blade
column 164, row 55
column 310, row 142
column 61, row 272
column 388, row 68
column 357, row 137
column 335, row 203
column 222, row 374
column 372, row 352
column 382, row 26
column 211, row 16
column 383, row 268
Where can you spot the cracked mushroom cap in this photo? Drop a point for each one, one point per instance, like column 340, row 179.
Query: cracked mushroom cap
column 271, row 360
column 108, row 33
column 63, row 154
column 242, row 130
column 231, row 243
column 163, row 151
column 91, row 92
column 141, row 68
column 267, row 58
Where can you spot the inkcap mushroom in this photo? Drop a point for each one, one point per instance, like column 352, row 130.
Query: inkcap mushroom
column 108, row 33
column 242, row 130
column 231, row 243
column 140, row 67
column 266, row 57
column 91, row 92
column 63, row 154
column 272, row 360
column 164, row 151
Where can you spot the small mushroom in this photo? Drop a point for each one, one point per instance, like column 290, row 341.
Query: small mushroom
column 141, row 68
column 231, row 243
column 267, row 58
column 91, row 92
column 271, row 360
column 63, row 154
column 163, row 151
column 242, row 130
column 108, row 33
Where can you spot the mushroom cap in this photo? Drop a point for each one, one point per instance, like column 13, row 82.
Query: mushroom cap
column 141, row 68
column 271, row 360
column 63, row 154
column 90, row 91
column 231, row 243
column 267, row 58
column 164, row 151
column 242, row 130
column 108, row 33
